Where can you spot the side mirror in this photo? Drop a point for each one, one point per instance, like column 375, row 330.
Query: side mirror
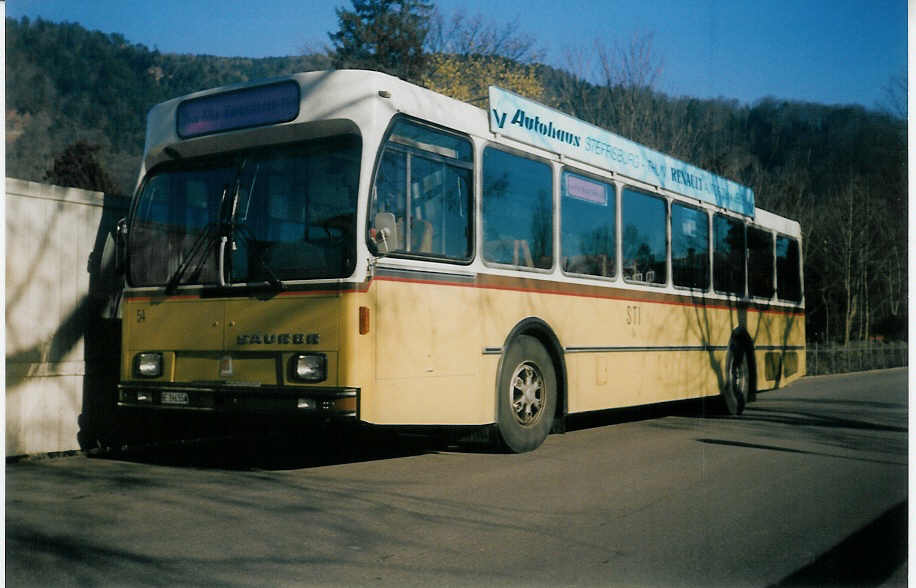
column 120, row 238
column 384, row 233
column 108, row 282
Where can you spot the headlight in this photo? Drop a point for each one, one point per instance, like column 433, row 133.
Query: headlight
column 308, row 367
column 148, row 364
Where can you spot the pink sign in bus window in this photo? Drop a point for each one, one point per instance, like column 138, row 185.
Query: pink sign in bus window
column 583, row 189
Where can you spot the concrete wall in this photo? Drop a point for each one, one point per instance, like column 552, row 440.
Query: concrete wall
column 61, row 354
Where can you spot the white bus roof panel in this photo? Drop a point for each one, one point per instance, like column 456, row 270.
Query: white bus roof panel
column 369, row 99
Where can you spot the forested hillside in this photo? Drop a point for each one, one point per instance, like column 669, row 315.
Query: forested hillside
column 64, row 83
column 840, row 170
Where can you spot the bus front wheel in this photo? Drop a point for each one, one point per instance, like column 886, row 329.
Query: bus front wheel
column 527, row 395
column 737, row 391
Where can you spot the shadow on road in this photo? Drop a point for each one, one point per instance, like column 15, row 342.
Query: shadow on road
column 269, row 451
column 868, row 557
column 270, row 443
column 817, row 419
column 694, row 408
column 245, row 444
column 798, row 451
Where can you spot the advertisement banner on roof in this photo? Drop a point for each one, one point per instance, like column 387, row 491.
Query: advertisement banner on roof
column 533, row 123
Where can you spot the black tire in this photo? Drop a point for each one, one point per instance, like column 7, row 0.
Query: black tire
column 526, row 394
column 738, row 389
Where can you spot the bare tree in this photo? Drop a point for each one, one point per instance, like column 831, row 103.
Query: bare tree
column 576, row 93
column 467, row 54
column 612, row 86
column 467, row 36
column 634, row 65
column 895, row 96
column 846, row 250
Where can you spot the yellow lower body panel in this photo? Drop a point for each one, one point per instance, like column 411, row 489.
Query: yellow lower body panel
column 604, row 380
column 427, row 350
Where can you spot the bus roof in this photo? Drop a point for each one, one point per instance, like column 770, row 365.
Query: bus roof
column 230, row 116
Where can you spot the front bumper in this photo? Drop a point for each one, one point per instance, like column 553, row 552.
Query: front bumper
column 327, row 402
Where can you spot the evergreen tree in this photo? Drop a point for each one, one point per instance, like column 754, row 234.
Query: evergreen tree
column 77, row 167
column 384, row 35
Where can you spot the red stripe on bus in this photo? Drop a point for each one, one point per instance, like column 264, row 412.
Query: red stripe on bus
column 650, row 297
column 575, row 290
column 362, row 288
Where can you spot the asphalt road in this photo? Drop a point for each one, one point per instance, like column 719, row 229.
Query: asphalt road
column 807, row 488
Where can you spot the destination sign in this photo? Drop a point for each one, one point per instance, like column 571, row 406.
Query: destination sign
column 533, row 123
column 251, row 107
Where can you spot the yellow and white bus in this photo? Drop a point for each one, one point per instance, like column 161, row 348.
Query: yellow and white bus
column 350, row 246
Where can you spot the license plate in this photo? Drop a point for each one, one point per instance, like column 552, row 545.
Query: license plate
column 174, row 398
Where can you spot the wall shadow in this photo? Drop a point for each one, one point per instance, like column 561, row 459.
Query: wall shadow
column 51, row 228
column 102, row 330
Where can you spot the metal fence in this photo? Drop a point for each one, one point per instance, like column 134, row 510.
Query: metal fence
column 855, row 357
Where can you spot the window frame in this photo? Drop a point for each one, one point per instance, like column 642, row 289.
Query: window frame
column 667, row 229
column 615, row 191
column 748, row 227
column 553, row 209
column 235, row 155
column 743, row 224
column 800, row 270
column 709, row 249
column 404, row 147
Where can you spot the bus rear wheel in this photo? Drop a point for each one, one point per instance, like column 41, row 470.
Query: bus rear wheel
column 527, row 392
column 737, row 391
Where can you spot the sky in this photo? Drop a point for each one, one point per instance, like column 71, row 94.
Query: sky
column 831, row 52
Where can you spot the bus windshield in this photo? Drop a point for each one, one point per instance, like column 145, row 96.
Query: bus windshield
column 280, row 213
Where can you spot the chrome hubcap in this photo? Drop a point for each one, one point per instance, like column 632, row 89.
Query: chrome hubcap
column 526, row 393
column 740, row 379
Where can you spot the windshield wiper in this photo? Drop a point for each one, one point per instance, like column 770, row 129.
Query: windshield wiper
column 234, row 226
column 208, row 236
column 272, row 278
column 225, row 231
column 208, row 231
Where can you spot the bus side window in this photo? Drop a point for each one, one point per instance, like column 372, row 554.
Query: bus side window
column 759, row 263
column 421, row 201
column 788, row 278
column 689, row 247
column 644, row 237
column 389, row 198
column 517, row 210
column 728, row 255
column 588, row 233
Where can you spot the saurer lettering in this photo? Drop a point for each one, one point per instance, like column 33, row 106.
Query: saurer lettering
column 278, row 339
